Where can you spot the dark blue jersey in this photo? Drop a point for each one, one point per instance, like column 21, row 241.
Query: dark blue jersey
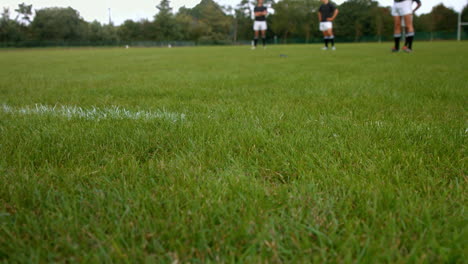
column 260, row 9
column 327, row 11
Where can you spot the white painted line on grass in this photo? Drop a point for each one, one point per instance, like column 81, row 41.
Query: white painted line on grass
column 93, row 113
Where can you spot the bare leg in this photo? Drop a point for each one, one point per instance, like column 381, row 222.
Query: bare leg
column 410, row 32
column 409, row 23
column 331, row 38
column 397, row 25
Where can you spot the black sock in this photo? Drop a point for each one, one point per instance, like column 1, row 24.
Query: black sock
column 264, row 41
column 332, row 40
column 409, row 40
column 255, row 42
column 397, row 41
column 326, row 41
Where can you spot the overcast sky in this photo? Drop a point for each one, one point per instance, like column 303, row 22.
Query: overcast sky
column 139, row 9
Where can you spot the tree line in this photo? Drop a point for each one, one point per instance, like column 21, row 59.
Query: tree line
column 210, row 23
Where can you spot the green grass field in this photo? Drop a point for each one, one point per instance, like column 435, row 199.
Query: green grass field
column 224, row 154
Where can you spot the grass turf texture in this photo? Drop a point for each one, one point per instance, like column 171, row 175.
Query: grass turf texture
column 353, row 155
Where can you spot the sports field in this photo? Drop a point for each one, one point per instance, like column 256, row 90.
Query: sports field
column 224, row 154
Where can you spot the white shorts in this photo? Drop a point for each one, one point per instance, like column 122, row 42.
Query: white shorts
column 324, row 26
column 260, row 25
column 402, row 8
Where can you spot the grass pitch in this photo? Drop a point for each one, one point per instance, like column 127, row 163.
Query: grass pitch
column 224, row 154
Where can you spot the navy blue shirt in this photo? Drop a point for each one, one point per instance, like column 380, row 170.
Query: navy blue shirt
column 260, row 9
column 327, row 11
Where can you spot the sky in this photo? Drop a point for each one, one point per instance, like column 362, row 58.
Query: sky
column 122, row 10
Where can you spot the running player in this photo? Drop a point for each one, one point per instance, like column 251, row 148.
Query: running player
column 260, row 24
column 326, row 14
column 403, row 9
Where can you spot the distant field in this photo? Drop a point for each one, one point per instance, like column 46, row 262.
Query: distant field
column 224, row 154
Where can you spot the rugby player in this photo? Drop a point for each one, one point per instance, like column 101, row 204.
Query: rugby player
column 260, row 24
column 402, row 9
column 326, row 14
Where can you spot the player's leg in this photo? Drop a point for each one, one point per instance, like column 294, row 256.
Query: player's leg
column 326, row 39
column 406, row 34
column 264, row 37
column 396, row 32
column 409, row 33
column 325, row 36
column 255, row 38
column 264, row 29
column 331, row 38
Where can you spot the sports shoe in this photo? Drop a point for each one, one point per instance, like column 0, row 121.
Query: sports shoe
column 325, row 48
column 407, row 50
column 395, row 50
column 333, row 48
column 253, row 47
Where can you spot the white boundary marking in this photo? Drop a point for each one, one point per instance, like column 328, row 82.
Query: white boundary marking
column 92, row 113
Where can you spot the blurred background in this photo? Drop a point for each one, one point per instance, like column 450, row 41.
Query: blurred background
column 211, row 22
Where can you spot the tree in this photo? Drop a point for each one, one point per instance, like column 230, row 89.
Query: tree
column 445, row 19
column 356, row 19
column 424, row 23
column 109, row 34
column 130, row 30
column 24, row 12
column 58, row 24
column 98, row 33
column 148, row 30
column 383, row 21
column 440, row 19
column 95, row 31
column 285, row 21
column 243, row 20
column 295, row 18
column 10, row 30
column 309, row 17
column 164, row 22
column 23, row 20
column 190, row 28
column 216, row 23
column 464, row 17
column 5, row 14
